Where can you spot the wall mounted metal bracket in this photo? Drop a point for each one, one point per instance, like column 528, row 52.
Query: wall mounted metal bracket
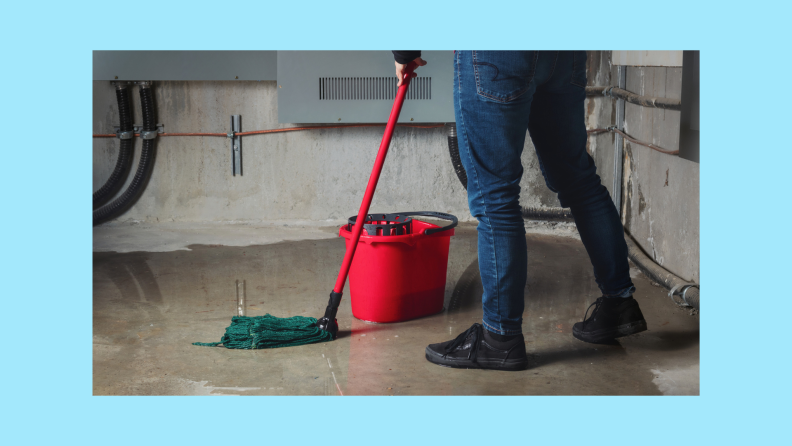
column 236, row 145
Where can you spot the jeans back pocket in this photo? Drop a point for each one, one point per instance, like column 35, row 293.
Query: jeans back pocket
column 503, row 76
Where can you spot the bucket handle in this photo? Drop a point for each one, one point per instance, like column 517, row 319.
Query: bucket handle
column 441, row 215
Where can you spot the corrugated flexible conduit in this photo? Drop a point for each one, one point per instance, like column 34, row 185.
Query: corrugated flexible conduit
column 126, row 149
column 677, row 286
column 145, row 165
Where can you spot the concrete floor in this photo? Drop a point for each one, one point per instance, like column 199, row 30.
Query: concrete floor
column 150, row 304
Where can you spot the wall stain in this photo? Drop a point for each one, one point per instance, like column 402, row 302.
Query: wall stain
column 627, row 192
column 641, row 201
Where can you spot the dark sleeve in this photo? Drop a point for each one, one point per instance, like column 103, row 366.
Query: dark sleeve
column 404, row 57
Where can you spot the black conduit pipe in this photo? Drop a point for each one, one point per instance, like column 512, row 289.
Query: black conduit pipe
column 125, row 152
column 453, row 150
column 547, row 213
column 528, row 213
column 645, row 263
column 145, row 165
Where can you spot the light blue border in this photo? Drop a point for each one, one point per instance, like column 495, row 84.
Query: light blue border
column 46, row 187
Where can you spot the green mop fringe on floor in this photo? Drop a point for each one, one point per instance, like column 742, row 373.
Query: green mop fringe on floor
column 270, row 332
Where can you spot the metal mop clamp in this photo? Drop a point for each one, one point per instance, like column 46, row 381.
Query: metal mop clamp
column 329, row 323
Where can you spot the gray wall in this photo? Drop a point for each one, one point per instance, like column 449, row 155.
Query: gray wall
column 310, row 175
column 663, row 216
column 661, row 192
column 320, row 175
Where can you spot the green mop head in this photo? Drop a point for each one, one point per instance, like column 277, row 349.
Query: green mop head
column 270, row 332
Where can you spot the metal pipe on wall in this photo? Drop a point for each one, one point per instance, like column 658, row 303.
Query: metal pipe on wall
column 633, row 98
column 618, row 144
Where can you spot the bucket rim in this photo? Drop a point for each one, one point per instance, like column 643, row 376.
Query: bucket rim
column 409, row 239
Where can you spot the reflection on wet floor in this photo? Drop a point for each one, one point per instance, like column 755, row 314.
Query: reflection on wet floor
column 149, row 307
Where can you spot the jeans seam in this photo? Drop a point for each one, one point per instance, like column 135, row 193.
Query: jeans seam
column 500, row 330
column 475, row 177
column 574, row 68
column 628, row 290
column 552, row 71
column 505, row 100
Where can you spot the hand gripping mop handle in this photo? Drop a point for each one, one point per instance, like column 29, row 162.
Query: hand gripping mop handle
column 328, row 322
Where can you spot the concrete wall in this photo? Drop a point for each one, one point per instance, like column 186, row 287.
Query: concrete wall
column 661, row 192
column 648, row 58
column 320, row 175
column 311, row 175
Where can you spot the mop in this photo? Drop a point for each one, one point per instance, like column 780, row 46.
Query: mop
column 272, row 332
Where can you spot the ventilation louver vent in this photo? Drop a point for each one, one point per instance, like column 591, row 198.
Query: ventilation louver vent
column 370, row 88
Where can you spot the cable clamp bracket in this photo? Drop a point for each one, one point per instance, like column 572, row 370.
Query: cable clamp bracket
column 144, row 134
column 683, row 289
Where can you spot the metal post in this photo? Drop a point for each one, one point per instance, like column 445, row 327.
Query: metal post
column 618, row 155
column 236, row 145
column 240, row 292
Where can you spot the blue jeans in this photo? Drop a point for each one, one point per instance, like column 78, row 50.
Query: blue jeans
column 498, row 96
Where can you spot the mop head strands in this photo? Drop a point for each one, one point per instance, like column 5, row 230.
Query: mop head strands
column 270, row 332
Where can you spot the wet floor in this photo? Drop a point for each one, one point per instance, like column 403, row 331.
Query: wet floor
column 149, row 307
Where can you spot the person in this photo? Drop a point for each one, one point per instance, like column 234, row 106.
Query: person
column 498, row 96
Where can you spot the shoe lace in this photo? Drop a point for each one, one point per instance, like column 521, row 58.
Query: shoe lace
column 597, row 304
column 477, row 331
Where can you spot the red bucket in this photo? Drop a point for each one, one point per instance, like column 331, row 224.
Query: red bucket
column 399, row 269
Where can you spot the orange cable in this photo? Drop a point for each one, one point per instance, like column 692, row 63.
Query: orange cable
column 288, row 129
column 417, row 126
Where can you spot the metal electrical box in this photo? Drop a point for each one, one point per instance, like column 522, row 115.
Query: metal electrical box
column 360, row 86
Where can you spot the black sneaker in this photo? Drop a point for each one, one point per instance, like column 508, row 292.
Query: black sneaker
column 613, row 317
column 476, row 349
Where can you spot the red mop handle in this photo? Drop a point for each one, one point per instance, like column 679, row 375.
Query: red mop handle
column 374, row 178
